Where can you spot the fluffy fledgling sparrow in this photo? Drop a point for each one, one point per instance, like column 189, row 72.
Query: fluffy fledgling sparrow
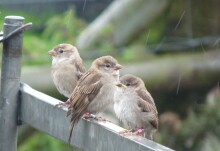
column 134, row 106
column 95, row 90
column 67, row 68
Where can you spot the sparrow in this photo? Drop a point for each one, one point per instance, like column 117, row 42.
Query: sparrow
column 95, row 90
column 134, row 106
column 67, row 68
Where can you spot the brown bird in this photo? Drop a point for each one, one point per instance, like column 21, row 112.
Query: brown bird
column 67, row 68
column 134, row 106
column 95, row 90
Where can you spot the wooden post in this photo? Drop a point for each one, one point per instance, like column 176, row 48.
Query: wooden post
column 10, row 81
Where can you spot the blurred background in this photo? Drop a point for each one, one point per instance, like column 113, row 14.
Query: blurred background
column 173, row 45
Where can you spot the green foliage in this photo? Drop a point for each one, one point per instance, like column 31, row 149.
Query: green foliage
column 43, row 142
column 63, row 28
column 136, row 53
column 35, row 50
column 154, row 34
column 105, row 33
column 28, row 17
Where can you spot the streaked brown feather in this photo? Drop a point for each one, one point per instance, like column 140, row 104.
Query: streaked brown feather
column 154, row 122
column 87, row 88
column 145, row 95
column 80, row 66
column 147, row 107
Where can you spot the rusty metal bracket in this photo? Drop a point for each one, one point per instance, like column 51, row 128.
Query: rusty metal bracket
column 19, row 29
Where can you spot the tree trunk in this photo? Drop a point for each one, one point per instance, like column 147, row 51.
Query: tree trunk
column 174, row 73
column 121, row 22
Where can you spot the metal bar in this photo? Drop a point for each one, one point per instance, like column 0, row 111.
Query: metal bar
column 10, row 81
column 38, row 110
column 17, row 30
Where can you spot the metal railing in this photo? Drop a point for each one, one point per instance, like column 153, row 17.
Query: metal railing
column 20, row 104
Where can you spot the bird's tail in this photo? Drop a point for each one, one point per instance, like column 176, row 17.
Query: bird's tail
column 71, row 129
column 76, row 111
column 75, row 117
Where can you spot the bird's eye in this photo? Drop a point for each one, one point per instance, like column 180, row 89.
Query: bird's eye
column 128, row 84
column 61, row 51
column 107, row 65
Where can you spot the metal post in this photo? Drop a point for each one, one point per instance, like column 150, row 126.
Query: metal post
column 10, row 81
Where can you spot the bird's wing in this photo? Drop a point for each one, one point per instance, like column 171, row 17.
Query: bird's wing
column 86, row 90
column 145, row 95
column 147, row 107
column 150, row 108
column 80, row 68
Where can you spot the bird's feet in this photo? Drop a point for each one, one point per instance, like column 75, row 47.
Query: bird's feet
column 127, row 132
column 132, row 132
column 63, row 104
column 88, row 115
column 101, row 119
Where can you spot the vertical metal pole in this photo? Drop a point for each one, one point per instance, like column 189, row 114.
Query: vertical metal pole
column 10, row 81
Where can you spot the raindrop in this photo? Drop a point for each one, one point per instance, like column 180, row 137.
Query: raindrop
column 160, row 44
column 84, row 5
column 181, row 17
column 178, row 86
column 147, row 36
column 217, row 88
column 217, row 41
column 203, row 48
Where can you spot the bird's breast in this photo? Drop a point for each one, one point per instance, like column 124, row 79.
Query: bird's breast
column 126, row 108
column 65, row 79
column 104, row 98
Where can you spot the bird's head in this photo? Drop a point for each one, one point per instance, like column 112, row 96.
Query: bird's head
column 131, row 82
column 63, row 51
column 107, row 64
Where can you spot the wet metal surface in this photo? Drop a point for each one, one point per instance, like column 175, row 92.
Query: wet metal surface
column 38, row 110
column 10, row 81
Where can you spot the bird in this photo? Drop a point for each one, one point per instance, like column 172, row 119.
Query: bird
column 135, row 107
column 95, row 90
column 67, row 68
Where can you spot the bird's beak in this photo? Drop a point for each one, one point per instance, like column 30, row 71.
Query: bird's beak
column 52, row 53
column 121, row 85
column 118, row 67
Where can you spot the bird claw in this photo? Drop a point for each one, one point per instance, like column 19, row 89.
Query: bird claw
column 101, row 119
column 88, row 115
column 140, row 131
column 62, row 104
column 126, row 132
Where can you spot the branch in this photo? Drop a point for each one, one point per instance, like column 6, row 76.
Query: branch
column 121, row 22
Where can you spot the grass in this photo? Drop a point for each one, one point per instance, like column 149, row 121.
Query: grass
column 43, row 142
